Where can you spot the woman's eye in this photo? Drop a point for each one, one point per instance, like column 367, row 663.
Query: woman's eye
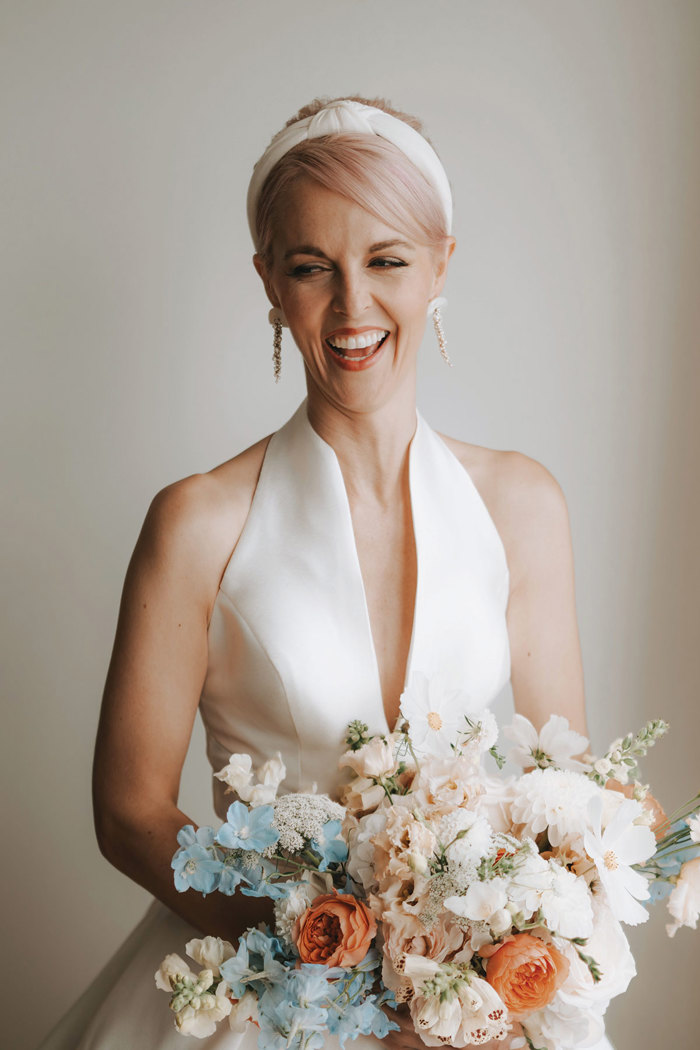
column 306, row 270
column 383, row 263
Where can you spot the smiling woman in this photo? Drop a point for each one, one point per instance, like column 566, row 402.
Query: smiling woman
column 301, row 583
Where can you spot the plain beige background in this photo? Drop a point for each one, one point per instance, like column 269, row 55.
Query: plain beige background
column 137, row 351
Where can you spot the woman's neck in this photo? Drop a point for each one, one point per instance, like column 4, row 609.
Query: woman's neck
column 371, row 445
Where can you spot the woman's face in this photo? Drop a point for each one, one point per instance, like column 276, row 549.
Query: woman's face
column 354, row 292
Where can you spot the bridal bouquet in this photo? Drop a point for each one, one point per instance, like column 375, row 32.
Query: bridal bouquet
column 491, row 905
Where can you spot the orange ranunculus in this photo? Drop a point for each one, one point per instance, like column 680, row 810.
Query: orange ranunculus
column 526, row 973
column 336, row 929
column 659, row 820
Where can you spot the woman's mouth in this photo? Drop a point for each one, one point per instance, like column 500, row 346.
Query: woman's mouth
column 355, row 349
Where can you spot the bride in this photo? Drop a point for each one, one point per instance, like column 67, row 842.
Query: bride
column 299, row 584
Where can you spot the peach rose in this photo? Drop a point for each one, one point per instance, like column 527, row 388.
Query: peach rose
column 336, row 929
column 526, row 973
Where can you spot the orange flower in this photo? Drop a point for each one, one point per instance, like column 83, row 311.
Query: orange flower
column 526, row 973
column 336, row 929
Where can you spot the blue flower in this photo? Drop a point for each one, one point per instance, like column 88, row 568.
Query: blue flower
column 230, row 876
column 197, row 864
column 237, row 971
column 284, row 1023
column 248, row 829
column 329, row 845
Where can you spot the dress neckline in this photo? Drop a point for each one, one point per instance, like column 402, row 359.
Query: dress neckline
column 330, row 454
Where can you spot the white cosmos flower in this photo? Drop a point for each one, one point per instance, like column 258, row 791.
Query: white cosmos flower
column 434, row 714
column 555, row 801
column 684, row 902
column 614, row 851
column 555, row 744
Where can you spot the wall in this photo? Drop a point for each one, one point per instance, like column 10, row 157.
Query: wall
column 138, row 351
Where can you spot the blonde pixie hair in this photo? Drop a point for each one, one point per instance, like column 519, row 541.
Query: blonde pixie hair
column 366, row 169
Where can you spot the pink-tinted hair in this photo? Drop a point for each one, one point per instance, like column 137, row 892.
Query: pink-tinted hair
column 366, row 169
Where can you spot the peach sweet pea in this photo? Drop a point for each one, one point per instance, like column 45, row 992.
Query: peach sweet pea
column 336, row 929
column 526, row 973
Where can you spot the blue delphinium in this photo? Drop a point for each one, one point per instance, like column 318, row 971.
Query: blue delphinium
column 248, row 829
column 197, row 863
column 329, row 845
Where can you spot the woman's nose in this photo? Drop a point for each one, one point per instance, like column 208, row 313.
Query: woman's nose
column 351, row 296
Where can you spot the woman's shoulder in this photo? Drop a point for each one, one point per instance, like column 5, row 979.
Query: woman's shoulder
column 194, row 523
column 525, row 500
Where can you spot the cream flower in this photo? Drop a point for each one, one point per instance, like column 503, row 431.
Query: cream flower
column 614, row 851
column 555, row 744
column 466, row 837
column 210, row 952
column 374, row 759
column 361, row 860
column 237, row 775
column 566, row 904
column 169, row 970
column 609, row 947
column 555, row 801
column 694, row 825
column 434, row 714
column 481, row 901
column 684, row 902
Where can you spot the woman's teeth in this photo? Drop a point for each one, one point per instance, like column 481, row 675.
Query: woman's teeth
column 367, row 340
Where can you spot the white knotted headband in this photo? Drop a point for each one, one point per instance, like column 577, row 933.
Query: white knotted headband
column 347, row 117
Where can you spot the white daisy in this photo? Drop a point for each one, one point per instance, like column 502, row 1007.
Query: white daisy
column 555, row 744
column 434, row 714
column 614, row 851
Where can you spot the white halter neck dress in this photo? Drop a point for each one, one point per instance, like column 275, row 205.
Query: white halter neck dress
column 292, row 660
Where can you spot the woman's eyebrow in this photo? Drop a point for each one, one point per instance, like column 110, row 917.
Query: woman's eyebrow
column 305, row 249
column 383, row 245
column 311, row 249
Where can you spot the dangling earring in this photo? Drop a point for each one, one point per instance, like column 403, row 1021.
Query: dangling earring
column 434, row 307
column 278, row 322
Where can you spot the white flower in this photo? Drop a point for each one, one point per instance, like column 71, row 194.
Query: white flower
column 481, row 901
column 300, row 818
column 434, row 714
column 238, row 775
column 554, row 745
column 684, row 902
column 694, row 825
column 466, row 836
column 484, row 1015
column 529, row 881
column 553, row 800
column 374, row 759
column 210, row 952
column 614, row 850
column 480, row 732
column 201, row 1016
column 361, row 846
column 290, row 907
column 609, row 947
column 561, row 1026
column 566, row 904
column 244, row 1010
column 170, row 969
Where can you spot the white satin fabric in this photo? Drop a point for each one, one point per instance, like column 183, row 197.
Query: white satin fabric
column 292, row 660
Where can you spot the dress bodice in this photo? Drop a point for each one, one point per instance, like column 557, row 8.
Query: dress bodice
column 291, row 655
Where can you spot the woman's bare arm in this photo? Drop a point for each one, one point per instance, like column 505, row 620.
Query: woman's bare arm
column 154, row 682
column 546, row 664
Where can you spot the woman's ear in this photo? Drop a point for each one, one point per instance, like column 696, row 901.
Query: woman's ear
column 442, row 258
column 259, row 264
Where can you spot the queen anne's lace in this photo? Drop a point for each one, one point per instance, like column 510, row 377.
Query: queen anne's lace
column 300, row 818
